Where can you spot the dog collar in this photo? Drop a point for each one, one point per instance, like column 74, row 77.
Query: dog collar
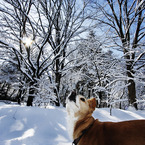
column 76, row 141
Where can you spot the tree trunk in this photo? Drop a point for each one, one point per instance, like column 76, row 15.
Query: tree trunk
column 19, row 96
column 56, row 90
column 131, row 87
column 101, row 98
column 30, row 100
column 31, row 94
column 132, row 93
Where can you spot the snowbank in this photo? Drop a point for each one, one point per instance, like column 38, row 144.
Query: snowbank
column 32, row 126
column 21, row 125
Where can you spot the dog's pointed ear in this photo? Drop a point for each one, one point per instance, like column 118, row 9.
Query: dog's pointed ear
column 92, row 103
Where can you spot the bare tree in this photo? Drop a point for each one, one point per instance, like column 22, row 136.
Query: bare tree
column 14, row 18
column 126, row 20
column 51, row 25
column 63, row 23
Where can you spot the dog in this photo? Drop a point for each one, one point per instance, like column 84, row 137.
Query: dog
column 85, row 130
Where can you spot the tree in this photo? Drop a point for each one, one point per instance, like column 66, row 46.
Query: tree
column 51, row 25
column 126, row 21
column 14, row 18
column 91, row 69
column 8, row 81
column 64, row 24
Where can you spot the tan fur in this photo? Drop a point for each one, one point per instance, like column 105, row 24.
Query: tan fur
column 106, row 133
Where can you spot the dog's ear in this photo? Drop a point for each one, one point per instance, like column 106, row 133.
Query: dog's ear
column 92, row 103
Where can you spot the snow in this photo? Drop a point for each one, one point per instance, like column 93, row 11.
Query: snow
column 21, row 125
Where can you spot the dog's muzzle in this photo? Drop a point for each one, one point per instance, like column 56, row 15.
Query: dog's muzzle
column 72, row 96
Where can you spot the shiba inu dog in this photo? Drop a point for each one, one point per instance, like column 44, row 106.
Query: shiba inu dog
column 85, row 130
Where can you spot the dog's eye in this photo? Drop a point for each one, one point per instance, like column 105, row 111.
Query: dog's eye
column 82, row 99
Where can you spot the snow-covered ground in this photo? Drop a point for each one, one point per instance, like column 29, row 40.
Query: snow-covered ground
column 20, row 125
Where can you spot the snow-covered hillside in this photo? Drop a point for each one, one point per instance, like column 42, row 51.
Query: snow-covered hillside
column 20, row 125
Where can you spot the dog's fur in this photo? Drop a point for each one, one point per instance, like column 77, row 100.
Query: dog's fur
column 100, row 133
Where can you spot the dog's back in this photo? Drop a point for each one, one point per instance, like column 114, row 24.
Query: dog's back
column 120, row 133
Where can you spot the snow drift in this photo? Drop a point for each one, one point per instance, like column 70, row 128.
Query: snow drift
column 20, row 125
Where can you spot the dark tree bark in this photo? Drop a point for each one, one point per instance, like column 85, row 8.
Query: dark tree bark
column 32, row 92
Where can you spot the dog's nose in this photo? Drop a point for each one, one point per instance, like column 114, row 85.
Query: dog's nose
column 72, row 96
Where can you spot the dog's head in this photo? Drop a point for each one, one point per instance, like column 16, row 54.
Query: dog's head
column 79, row 106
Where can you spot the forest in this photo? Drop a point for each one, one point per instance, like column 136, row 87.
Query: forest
column 50, row 47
